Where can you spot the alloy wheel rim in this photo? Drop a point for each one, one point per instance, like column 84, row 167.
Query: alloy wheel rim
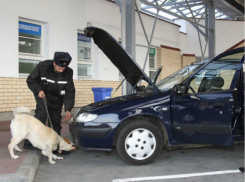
column 140, row 144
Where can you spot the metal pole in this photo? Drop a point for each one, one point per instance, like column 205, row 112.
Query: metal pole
column 127, row 8
column 199, row 11
column 150, row 40
column 174, row 14
column 130, row 33
column 123, row 36
column 197, row 27
column 142, row 24
column 201, row 18
column 194, row 25
column 211, row 23
column 206, row 22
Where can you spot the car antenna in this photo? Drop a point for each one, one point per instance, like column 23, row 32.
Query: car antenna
column 118, row 86
column 133, row 88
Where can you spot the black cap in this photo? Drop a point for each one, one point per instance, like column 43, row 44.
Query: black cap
column 62, row 59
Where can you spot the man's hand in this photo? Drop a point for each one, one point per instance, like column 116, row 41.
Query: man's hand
column 68, row 115
column 41, row 94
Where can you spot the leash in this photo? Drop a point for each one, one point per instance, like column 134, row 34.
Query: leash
column 45, row 103
column 50, row 123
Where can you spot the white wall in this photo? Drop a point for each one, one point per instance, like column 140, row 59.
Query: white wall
column 183, row 43
column 63, row 18
column 228, row 33
column 165, row 33
column 62, row 32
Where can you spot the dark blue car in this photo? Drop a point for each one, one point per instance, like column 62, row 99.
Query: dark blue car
column 200, row 104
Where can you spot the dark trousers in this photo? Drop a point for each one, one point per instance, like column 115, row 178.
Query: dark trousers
column 41, row 115
column 54, row 113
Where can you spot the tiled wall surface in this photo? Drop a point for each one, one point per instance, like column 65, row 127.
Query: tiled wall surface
column 187, row 59
column 15, row 93
column 169, row 59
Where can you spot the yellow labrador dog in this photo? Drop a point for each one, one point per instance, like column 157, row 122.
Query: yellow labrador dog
column 25, row 126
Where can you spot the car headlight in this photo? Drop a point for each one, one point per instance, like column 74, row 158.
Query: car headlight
column 86, row 117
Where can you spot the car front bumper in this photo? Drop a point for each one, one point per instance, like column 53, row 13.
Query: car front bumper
column 98, row 136
column 89, row 131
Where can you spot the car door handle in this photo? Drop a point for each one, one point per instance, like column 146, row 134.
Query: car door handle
column 218, row 105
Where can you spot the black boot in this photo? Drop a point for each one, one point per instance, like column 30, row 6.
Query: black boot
column 62, row 152
column 241, row 169
column 28, row 145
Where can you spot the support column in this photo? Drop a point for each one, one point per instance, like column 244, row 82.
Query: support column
column 206, row 22
column 211, row 23
column 128, row 33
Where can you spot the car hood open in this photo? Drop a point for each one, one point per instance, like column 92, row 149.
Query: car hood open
column 118, row 56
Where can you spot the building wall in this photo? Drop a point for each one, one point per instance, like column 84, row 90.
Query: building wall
column 62, row 19
column 170, row 59
column 187, row 59
column 237, row 45
column 15, row 93
column 227, row 34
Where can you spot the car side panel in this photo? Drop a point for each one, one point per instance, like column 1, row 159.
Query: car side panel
column 111, row 118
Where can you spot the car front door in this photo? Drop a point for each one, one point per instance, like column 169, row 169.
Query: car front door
column 203, row 113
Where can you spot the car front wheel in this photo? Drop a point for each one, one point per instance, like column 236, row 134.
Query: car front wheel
column 139, row 143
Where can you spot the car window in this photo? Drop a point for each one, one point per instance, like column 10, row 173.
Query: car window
column 217, row 75
column 177, row 77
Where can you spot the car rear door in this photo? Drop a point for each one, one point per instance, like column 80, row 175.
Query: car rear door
column 203, row 114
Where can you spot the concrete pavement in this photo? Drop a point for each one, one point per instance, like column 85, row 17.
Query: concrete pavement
column 88, row 166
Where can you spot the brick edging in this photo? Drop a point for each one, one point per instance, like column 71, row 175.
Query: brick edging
column 215, row 19
column 190, row 55
column 236, row 45
column 172, row 48
column 183, row 32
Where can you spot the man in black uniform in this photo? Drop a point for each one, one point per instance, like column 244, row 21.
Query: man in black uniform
column 52, row 79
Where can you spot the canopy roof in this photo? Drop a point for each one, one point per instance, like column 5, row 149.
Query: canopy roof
column 224, row 9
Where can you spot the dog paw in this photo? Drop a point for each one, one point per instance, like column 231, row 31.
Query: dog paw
column 15, row 157
column 60, row 158
column 52, row 162
column 19, row 150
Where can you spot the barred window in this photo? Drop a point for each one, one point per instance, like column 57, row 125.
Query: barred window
column 30, row 43
column 85, row 62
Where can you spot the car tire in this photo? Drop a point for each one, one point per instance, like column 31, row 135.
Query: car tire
column 139, row 143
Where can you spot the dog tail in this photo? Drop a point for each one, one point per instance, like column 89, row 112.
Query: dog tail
column 21, row 110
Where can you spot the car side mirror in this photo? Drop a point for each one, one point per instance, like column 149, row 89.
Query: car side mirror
column 179, row 89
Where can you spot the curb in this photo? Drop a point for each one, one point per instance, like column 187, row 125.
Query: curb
column 27, row 169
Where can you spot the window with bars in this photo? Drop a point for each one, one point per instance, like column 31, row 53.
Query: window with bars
column 30, row 46
column 85, row 62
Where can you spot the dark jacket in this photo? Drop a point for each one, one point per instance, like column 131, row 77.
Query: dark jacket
column 58, row 87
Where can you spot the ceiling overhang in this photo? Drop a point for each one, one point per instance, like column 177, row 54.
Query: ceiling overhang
column 230, row 7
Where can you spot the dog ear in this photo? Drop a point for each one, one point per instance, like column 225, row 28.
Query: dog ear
column 67, row 140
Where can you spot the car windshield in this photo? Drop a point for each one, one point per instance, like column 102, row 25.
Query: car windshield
column 177, row 77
